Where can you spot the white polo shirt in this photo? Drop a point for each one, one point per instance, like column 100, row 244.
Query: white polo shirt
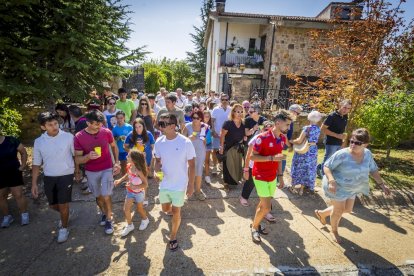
column 55, row 153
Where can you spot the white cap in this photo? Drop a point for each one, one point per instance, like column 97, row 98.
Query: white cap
column 296, row 108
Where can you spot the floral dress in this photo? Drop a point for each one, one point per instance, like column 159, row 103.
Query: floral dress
column 303, row 170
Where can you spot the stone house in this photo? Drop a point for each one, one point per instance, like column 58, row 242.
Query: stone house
column 251, row 54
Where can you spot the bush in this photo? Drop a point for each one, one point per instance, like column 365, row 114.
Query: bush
column 389, row 119
column 9, row 119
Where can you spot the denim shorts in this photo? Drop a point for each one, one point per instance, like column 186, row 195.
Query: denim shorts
column 216, row 143
column 137, row 197
column 209, row 147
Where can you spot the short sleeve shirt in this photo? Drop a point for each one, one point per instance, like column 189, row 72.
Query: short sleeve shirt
column 337, row 124
column 87, row 142
column 138, row 145
column 267, row 144
column 120, row 134
column 234, row 134
column 128, row 107
column 250, row 123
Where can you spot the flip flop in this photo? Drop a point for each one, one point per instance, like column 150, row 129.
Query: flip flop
column 319, row 217
column 173, row 245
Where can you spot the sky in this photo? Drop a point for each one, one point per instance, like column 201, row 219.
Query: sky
column 164, row 25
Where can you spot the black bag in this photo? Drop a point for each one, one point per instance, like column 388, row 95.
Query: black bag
column 220, row 157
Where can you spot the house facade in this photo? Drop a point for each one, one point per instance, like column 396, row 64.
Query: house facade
column 251, row 54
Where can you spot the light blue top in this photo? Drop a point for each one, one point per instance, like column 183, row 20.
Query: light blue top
column 351, row 177
column 120, row 133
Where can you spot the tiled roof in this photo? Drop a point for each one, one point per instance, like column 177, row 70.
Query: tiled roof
column 271, row 17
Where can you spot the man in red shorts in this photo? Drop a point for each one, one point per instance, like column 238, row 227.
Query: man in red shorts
column 267, row 156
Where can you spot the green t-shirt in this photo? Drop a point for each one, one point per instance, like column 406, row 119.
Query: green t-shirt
column 128, row 106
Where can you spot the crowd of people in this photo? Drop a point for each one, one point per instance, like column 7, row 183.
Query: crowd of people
column 181, row 139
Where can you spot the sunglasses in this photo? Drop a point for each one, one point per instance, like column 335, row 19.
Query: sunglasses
column 196, row 118
column 238, row 112
column 246, row 107
column 163, row 124
column 144, row 104
column 355, row 142
column 111, row 103
column 224, row 100
column 251, row 112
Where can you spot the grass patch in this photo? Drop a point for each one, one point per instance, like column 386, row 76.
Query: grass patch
column 397, row 171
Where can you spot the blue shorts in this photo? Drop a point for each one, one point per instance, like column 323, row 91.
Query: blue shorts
column 122, row 156
column 138, row 197
column 216, row 143
column 209, row 147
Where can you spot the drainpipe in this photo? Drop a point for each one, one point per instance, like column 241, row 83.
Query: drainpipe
column 225, row 52
column 271, row 54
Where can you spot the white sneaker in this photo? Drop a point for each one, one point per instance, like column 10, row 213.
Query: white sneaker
column 145, row 203
column 25, row 218
column 63, row 235
column 7, row 220
column 207, row 179
column 72, row 215
column 127, row 229
column 144, row 224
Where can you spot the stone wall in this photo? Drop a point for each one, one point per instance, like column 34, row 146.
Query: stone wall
column 291, row 54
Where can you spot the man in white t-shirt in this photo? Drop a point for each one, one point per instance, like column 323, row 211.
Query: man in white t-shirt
column 160, row 99
column 54, row 150
column 181, row 99
column 219, row 115
column 176, row 153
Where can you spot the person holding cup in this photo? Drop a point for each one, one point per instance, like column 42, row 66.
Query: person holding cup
column 142, row 140
column 197, row 132
column 120, row 132
column 92, row 148
column 177, row 155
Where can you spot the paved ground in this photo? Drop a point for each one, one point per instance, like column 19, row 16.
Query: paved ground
column 214, row 239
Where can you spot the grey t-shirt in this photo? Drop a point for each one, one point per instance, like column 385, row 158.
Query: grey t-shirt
column 177, row 112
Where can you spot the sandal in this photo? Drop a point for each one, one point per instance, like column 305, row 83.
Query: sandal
column 262, row 230
column 323, row 221
column 256, row 236
column 270, row 218
column 292, row 190
column 173, row 245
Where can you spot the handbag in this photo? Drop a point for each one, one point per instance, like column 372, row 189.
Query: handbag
column 303, row 147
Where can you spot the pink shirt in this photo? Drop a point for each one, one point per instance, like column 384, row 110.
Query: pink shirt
column 87, row 142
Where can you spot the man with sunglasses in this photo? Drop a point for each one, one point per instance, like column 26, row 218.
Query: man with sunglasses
column 334, row 127
column 219, row 115
column 175, row 157
column 254, row 121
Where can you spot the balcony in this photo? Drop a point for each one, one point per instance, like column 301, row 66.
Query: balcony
column 231, row 59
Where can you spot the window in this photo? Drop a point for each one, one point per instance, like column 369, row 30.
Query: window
column 252, row 46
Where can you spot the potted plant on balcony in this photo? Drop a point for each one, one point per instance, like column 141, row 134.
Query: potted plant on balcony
column 251, row 52
column 241, row 50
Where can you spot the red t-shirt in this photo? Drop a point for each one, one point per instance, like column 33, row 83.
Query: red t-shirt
column 267, row 144
column 87, row 142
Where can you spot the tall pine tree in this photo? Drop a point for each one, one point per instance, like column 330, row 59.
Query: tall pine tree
column 197, row 59
column 52, row 50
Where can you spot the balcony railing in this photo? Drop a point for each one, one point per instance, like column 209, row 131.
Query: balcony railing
column 234, row 59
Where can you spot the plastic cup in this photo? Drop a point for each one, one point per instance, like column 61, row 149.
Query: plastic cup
column 160, row 175
column 98, row 150
column 140, row 147
column 194, row 133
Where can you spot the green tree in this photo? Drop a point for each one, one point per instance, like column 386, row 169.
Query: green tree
column 167, row 73
column 197, row 59
column 9, row 119
column 52, row 50
column 389, row 118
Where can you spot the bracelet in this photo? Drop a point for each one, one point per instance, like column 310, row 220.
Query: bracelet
column 280, row 175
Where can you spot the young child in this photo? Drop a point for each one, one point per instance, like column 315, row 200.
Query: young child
column 135, row 188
